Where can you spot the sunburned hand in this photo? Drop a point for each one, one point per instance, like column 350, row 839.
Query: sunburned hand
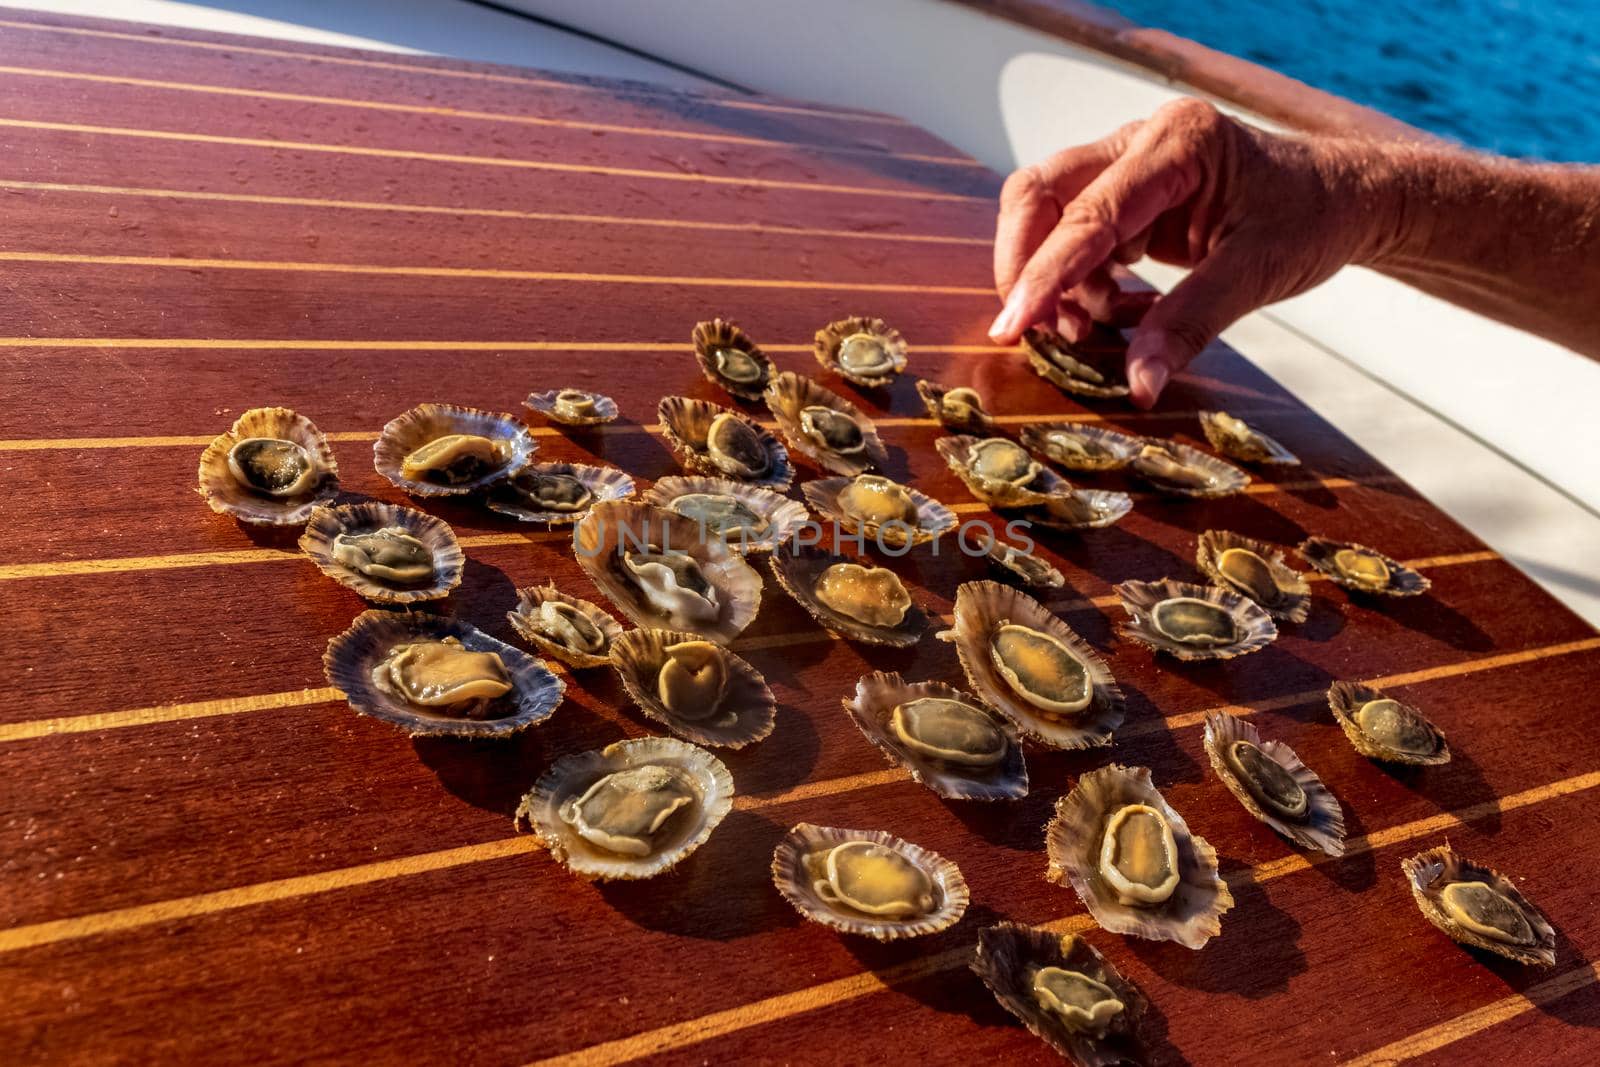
column 1257, row 216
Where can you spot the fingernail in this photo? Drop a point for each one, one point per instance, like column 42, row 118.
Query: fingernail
column 1148, row 375
column 1006, row 326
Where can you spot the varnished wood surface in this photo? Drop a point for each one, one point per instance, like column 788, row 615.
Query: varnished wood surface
column 205, row 856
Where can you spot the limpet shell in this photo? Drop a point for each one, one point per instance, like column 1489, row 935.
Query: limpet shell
column 225, row 494
column 712, row 337
column 744, row 715
column 688, row 424
column 1244, row 442
column 1191, row 915
column 601, row 537
column 1077, row 509
column 1225, row 478
column 327, row 523
column 1102, row 448
column 872, row 709
column 1292, row 602
column 512, row 496
column 784, row 517
column 352, row 656
column 570, row 777
column 959, row 450
column 409, row 431
column 983, row 607
column 845, row 346
column 1048, row 354
column 1319, row 827
column 548, row 404
column 1009, row 954
column 1346, row 699
column 524, row 619
column 789, row 395
column 797, row 568
column 1024, row 566
column 799, row 862
column 933, row 519
column 1253, row 627
column 1431, row 872
column 963, row 413
column 1322, row 553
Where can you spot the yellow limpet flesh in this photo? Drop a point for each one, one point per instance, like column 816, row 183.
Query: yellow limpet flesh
column 622, row 812
column 864, row 353
column 1041, row 669
column 442, row 674
column 1075, row 444
column 1157, row 462
column 962, row 402
column 1081, row 1003
column 1362, row 568
column 1193, row 621
column 444, row 455
column 735, row 448
column 1139, row 855
column 1266, row 779
column 948, row 730
column 391, row 554
column 1480, row 908
column 1396, row 727
column 870, row 595
column 873, row 498
column 832, row 429
column 575, row 403
column 875, row 880
column 1250, row 574
column 569, row 626
column 737, row 365
column 719, row 513
column 693, row 680
column 996, row 459
column 557, row 492
column 1072, row 365
column 271, row 466
column 673, row 584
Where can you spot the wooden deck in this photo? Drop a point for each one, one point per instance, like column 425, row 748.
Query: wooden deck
column 205, row 856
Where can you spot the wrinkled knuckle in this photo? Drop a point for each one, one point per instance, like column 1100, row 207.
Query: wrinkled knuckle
column 1194, row 121
column 1024, row 185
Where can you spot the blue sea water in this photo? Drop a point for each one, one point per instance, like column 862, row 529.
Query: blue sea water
column 1518, row 77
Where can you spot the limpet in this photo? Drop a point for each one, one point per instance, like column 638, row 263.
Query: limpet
column 823, row 426
column 574, row 631
column 557, row 493
column 748, row 517
column 885, row 511
column 718, row 441
column 388, row 554
column 1096, row 370
column 864, row 350
column 1080, row 448
column 574, row 407
column 867, row 882
column 730, row 359
column 854, row 599
column 1076, row 510
column 999, row 471
column 959, row 409
column 1238, row 439
column 1254, row 569
column 1382, row 728
column 1274, row 784
column 1193, row 622
column 698, row 690
column 1479, row 907
column 1362, row 569
column 272, row 467
column 445, row 450
column 1024, row 566
column 1178, row 469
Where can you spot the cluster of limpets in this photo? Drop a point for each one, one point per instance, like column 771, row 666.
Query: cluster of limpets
column 684, row 564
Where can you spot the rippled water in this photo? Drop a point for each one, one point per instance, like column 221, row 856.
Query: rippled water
column 1520, row 77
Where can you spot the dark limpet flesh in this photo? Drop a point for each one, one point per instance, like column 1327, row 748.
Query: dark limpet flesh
column 390, row 554
column 833, row 430
column 734, row 447
column 1193, row 622
column 823, row 426
column 1095, row 368
column 730, row 359
column 272, row 466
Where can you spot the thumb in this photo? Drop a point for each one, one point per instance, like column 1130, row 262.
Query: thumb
column 1222, row 288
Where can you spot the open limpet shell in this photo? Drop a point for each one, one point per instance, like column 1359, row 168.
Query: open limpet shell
column 1181, row 470
column 995, row 771
column 1335, row 559
column 790, row 396
column 520, row 495
column 781, row 517
column 327, row 525
column 574, row 407
column 1274, row 784
column 744, row 708
column 829, row 496
column 354, row 658
column 982, row 609
column 864, row 350
column 1238, row 439
column 1080, row 447
column 1478, row 906
column 528, row 618
column 730, row 359
column 603, row 538
column 1076, row 509
column 313, row 479
column 552, row 808
column 1083, row 369
column 798, row 569
column 1392, row 731
column 803, row 873
column 1254, row 569
column 958, row 409
column 1034, row 484
column 1160, row 611
column 1008, row 959
column 1026, row 567
column 1197, row 897
column 406, row 433
column 689, row 424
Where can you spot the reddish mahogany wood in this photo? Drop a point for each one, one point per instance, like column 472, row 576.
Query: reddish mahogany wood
column 509, row 959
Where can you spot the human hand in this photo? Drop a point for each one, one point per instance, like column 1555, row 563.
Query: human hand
column 1258, row 217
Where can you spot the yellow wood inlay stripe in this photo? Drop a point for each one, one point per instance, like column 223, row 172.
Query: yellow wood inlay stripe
column 636, row 89
column 199, row 709
column 488, row 116
column 492, row 213
column 489, row 161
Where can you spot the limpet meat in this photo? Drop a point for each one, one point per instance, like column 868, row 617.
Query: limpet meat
column 1193, row 622
column 1362, row 569
column 866, row 351
column 445, row 450
column 1238, row 439
column 1076, row 510
column 1088, row 370
column 698, row 690
column 824, row 426
column 1254, row 569
column 867, row 882
column 730, row 359
column 959, row 409
column 719, row 441
column 388, row 554
column 1274, row 784
column 856, row 600
column 889, row 513
column 556, row 493
column 1024, row 566
column 1176, row 468
column 1065, row 992
column 1384, row 729
column 1133, row 861
column 999, row 471
column 273, row 467
column 574, row 631
column 1080, row 448
column 1480, row 907
column 948, row 740
column 747, row 517
column 574, row 407
column 634, row 809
